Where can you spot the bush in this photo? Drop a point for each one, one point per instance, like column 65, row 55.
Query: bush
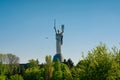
column 16, row 77
column 2, row 77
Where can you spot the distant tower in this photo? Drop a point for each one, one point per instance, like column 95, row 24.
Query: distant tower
column 59, row 42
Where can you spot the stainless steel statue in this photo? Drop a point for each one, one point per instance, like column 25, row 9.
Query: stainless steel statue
column 59, row 39
column 59, row 42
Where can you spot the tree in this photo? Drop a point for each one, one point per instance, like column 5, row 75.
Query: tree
column 69, row 63
column 57, row 73
column 76, row 73
column 48, row 68
column 42, row 74
column 3, row 77
column 22, row 70
column 66, row 73
column 2, row 64
column 33, row 64
column 12, row 62
column 12, row 59
column 32, row 74
column 33, row 71
column 16, row 77
column 98, row 65
column 9, row 64
column 117, row 60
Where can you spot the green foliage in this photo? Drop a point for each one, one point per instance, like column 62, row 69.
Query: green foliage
column 22, row 70
column 32, row 74
column 12, row 62
column 66, row 73
column 2, row 66
column 76, row 73
column 99, row 63
column 16, row 77
column 57, row 73
column 69, row 63
column 42, row 74
column 9, row 64
column 48, row 68
column 33, row 64
column 2, row 77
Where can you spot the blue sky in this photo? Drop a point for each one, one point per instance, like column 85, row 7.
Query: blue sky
column 25, row 24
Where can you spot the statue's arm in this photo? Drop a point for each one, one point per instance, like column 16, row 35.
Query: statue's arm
column 62, row 27
column 55, row 29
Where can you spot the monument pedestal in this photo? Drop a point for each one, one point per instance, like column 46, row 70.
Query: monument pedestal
column 58, row 56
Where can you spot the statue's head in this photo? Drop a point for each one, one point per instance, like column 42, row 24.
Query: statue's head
column 58, row 31
column 62, row 26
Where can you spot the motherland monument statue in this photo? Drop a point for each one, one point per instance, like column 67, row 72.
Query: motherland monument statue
column 59, row 42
